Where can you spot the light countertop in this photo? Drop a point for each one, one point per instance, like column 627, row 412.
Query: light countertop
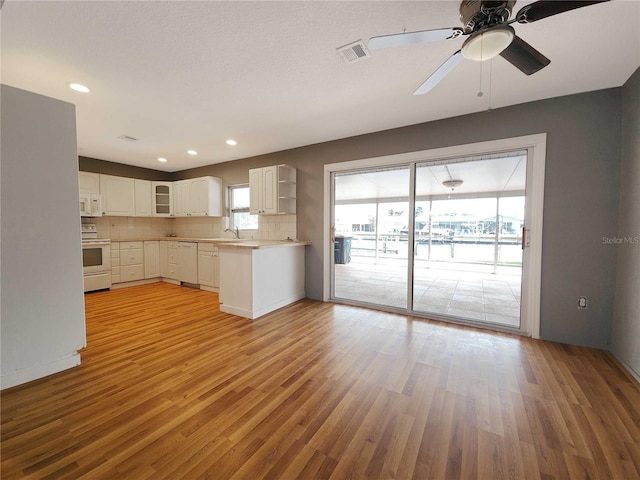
column 263, row 244
column 227, row 242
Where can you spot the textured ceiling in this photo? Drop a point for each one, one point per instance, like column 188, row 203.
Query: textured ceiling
column 189, row 75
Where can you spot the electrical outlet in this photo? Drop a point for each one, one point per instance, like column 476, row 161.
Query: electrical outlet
column 583, row 302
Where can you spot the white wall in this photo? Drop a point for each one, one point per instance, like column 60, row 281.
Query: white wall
column 625, row 332
column 42, row 305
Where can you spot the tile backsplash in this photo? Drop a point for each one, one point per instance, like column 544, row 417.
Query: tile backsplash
column 124, row 228
column 275, row 227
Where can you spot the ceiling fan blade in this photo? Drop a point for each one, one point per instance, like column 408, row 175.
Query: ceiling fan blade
column 546, row 8
column 400, row 39
column 524, row 57
column 440, row 73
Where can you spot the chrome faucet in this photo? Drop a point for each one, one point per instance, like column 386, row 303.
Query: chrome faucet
column 235, row 230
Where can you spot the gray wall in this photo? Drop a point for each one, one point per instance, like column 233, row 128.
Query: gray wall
column 87, row 164
column 581, row 196
column 42, row 305
column 625, row 334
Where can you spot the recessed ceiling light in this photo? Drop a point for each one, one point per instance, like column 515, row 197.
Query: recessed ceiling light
column 78, row 87
column 162, row 159
column 231, row 142
column 192, row 152
column 128, row 138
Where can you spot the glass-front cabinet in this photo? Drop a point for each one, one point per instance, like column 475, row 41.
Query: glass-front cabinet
column 162, row 199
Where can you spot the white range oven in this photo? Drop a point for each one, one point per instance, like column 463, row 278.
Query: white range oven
column 96, row 259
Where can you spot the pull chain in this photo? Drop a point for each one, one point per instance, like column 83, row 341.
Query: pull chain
column 490, row 89
column 480, row 90
column 481, row 62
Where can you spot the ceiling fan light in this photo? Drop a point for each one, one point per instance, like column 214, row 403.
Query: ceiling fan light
column 487, row 44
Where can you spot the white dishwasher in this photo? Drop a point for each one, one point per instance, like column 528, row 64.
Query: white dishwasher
column 188, row 262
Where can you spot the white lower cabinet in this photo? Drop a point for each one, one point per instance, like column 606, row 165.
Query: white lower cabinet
column 115, row 262
column 208, row 265
column 188, row 262
column 169, row 260
column 151, row 259
column 172, row 261
column 164, row 264
column 131, row 261
column 179, row 261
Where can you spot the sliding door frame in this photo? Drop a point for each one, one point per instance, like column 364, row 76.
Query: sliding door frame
column 532, row 254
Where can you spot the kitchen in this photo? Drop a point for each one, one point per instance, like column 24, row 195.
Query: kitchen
column 138, row 231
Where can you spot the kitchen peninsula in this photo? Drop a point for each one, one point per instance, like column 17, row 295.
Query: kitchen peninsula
column 258, row 277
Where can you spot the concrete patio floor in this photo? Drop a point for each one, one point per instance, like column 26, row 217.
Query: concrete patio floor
column 463, row 290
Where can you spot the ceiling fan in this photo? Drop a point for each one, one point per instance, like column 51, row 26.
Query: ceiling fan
column 489, row 31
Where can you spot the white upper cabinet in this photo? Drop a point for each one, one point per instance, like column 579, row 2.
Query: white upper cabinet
column 162, row 199
column 118, row 195
column 205, row 194
column 287, row 191
column 255, row 191
column 272, row 190
column 89, row 182
column 181, row 202
column 90, row 200
column 130, row 197
column 198, row 197
column 143, row 198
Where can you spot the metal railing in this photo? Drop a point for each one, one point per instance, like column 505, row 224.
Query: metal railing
column 488, row 249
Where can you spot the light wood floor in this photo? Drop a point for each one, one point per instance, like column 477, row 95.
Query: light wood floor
column 171, row 388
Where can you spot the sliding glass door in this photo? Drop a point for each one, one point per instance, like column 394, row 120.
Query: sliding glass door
column 441, row 238
column 371, row 211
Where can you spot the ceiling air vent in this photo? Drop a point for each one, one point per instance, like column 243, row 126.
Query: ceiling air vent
column 128, row 138
column 353, row 52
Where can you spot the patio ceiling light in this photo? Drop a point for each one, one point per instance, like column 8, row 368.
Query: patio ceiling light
column 452, row 184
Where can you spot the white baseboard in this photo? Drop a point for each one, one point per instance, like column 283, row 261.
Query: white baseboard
column 241, row 312
column 209, row 289
column 274, row 306
column 631, row 371
column 253, row 314
column 134, row 283
column 33, row 373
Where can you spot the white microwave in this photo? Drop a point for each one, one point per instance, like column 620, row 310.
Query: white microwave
column 90, row 205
